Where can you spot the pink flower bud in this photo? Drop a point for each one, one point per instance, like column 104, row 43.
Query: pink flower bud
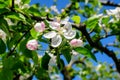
column 76, row 43
column 39, row 27
column 32, row 44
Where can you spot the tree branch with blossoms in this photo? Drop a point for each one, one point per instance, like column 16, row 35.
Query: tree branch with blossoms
column 25, row 29
column 111, row 54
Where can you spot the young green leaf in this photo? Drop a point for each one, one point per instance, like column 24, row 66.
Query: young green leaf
column 76, row 19
column 85, row 52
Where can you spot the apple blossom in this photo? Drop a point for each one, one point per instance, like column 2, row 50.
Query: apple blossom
column 115, row 12
column 76, row 42
column 55, row 25
column 39, row 27
column 54, row 8
column 17, row 2
column 2, row 35
column 32, row 44
column 55, row 36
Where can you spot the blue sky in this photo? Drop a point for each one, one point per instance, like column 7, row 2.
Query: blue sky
column 61, row 4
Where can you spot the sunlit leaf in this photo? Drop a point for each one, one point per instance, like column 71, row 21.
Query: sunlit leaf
column 85, row 52
column 76, row 19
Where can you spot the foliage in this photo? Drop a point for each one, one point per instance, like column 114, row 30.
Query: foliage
column 24, row 29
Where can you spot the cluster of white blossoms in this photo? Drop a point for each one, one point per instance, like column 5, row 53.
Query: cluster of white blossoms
column 58, row 29
column 2, row 35
column 114, row 12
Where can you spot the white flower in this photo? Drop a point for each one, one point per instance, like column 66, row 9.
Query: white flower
column 17, row 2
column 104, row 1
column 55, row 25
column 68, row 32
column 65, row 21
column 50, row 35
column 39, row 27
column 32, row 44
column 54, row 8
column 76, row 43
column 2, row 35
column 25, row 6
column 56, row 41
column 55, row 77
column 55, row 37
column 115, row 12
column 52, row 61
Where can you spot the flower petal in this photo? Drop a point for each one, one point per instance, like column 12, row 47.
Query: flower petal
column 56, row 41
column 70, row 34
column 50, row 34
column 55, row 25
column 65, row 21
column 67, row 27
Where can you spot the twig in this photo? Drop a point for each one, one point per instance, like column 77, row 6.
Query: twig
column 12, row 6
column 11, row 51
column 108, row 3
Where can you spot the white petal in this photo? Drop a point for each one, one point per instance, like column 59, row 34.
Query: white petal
column 70, row 34
column 56, row 41
column 65, row 21
column 55, row 25
column 50, row 34
column 67, row 27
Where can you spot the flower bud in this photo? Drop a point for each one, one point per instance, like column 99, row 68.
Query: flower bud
column 39, row 27
column 32, row 44
column 76, row 43
column 2, row 35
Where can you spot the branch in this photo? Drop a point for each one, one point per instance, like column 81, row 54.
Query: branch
column 12, row 6
column 11, row 51
column 82, row 28
column 108, row 3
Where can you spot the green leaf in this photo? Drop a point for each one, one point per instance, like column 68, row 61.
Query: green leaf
column 92, row 22
column 34, row 11
column 35, row 57
column 76, row 5
column 2, row 4
column 76, row 19
column 3, row 10
column 33, row 33
column 66, row 53
column 25, row 1
column 6, row 74
column 45, row 61
column 105, row 20
column 4, row 26
column 16, row 16
column 42, row 74
column 85, row 52
column 2, row 46
column 14, row 40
